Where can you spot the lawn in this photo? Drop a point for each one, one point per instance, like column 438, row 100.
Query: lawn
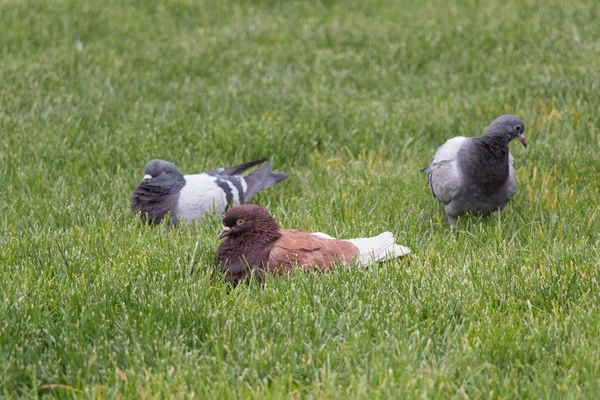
column 350, row 98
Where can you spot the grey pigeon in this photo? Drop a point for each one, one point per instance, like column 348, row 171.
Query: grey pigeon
column 165, row 189
column 476, row 174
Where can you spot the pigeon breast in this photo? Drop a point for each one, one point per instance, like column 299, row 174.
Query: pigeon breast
column 154, row 201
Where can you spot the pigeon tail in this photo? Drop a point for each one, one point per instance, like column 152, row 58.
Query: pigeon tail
column 398, row 251
column 378, row 248
column 238, row 169
column 261, row 178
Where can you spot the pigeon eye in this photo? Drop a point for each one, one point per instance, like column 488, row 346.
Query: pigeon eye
column 240, row 221
column 518, row 128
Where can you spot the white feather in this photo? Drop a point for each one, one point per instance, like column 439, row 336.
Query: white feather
column 378, row 248
column 445, row 177
column 374, row 249
column 234, row 191
column 449, row 150
column 200, row 195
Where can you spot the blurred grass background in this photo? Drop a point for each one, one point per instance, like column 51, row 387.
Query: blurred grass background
column 351, row 99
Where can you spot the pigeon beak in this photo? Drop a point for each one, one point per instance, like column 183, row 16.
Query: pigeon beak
column 147, row 176
column 225, row 232
column 522, row 140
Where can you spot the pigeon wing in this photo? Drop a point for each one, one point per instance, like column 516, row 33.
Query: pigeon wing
column 307, row 250
column 445, row 178
column 202, row 194
column 236, row 169
column 511, row 185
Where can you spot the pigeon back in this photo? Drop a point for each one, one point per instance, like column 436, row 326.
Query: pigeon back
column 204, row 193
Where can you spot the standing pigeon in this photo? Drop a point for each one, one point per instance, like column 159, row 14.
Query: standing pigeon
column 255, row 243
column 188, row 197
column 476, row 174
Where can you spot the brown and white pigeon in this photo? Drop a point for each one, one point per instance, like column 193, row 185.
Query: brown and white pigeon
column 165, row 189
column 255, row 243
column 476, row 174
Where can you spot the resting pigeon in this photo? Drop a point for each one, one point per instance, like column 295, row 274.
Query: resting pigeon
column 188, row 197
column 476, row 174
column 255, row 243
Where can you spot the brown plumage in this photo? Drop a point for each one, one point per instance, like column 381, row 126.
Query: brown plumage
column 306, row 250
column 255, row 243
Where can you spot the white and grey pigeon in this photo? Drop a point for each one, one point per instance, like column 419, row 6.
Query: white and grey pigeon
column 476, row 174
column 165, row 189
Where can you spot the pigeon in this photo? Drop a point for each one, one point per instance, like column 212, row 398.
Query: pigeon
column 476, row 174
column 165, row 189
column 255, row 244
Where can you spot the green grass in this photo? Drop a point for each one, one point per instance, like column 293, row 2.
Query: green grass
column 350, row 98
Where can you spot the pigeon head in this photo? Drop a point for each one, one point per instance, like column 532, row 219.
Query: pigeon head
column 509, row 127
column 155, row 195
column 162, row 173
column 245, row 220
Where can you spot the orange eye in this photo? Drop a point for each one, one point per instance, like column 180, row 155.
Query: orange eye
column 240, row 221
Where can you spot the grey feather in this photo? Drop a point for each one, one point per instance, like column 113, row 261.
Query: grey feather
column 236, row 169
column 154, row 198
column 260, row 179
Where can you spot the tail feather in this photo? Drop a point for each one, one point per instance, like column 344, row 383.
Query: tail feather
column 261, row 178
column 238, row 169
column 398, row 250
column 378, row 248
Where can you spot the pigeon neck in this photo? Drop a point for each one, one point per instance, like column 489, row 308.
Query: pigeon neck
column 263, row 232
column 259, row 236
column 155, row 197
column 493, row 144
column 237, row 255
column 154, row 202
column 486, row 162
